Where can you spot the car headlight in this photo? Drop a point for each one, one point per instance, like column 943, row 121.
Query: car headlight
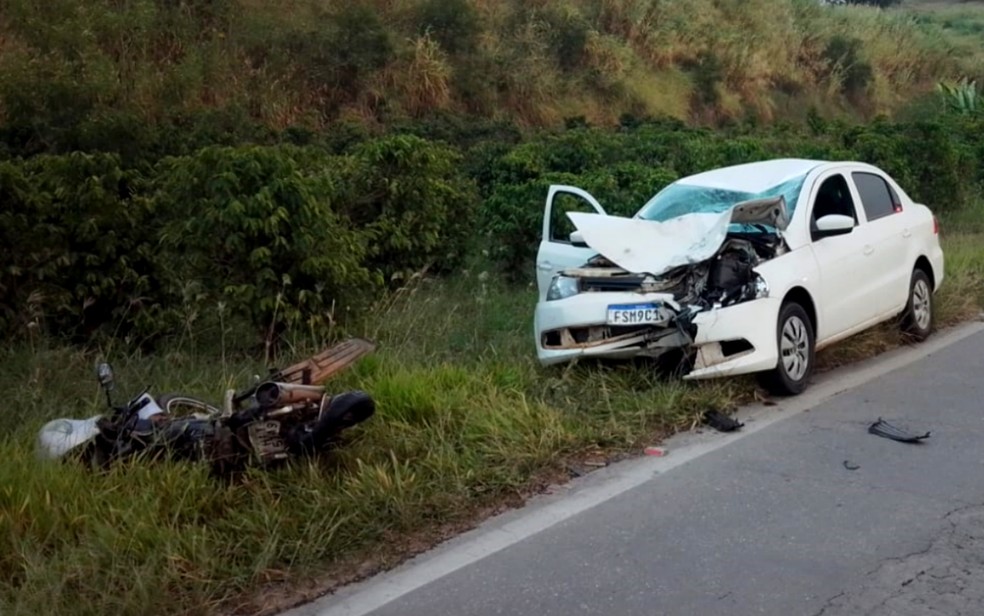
column 561, row 287
column 761, row 288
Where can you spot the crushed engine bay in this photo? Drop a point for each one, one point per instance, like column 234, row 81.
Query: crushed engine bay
column 679, row 268
column 726, row 279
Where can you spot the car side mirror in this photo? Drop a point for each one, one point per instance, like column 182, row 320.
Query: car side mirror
column 578, row 240
column 834, row 224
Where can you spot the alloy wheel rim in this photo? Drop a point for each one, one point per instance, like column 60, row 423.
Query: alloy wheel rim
column 921, row 310
column 794, row 348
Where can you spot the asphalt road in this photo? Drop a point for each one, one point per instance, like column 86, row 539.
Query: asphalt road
column 767, row 522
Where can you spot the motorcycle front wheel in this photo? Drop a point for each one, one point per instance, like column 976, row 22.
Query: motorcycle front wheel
column 181, row 405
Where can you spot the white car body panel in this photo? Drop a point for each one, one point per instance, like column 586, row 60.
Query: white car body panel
column 853, row 280
column 555, row 256
column 628, row 242
column 687, row 239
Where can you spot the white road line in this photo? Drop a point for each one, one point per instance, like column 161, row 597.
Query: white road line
column 542, row 513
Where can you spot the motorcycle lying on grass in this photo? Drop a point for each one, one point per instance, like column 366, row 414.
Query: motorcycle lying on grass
column 282, row 416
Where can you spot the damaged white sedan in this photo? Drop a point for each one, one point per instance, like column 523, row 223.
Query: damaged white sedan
column 748, row 269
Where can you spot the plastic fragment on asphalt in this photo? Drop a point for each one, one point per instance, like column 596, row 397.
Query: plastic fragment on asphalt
column 721, row 422
column 659, row 452
column 886, row 430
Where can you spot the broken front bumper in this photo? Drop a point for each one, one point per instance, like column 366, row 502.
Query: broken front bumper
column 577, row 326
column 739, row 339
column 734, row 340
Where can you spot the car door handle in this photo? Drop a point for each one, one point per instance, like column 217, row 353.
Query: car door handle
column 869, row 249
column 545, row 266
column 906, row 233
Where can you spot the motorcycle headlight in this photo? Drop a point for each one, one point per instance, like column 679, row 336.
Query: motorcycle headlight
column 561, row 287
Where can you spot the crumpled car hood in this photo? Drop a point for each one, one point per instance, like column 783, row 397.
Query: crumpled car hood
column 649, row 247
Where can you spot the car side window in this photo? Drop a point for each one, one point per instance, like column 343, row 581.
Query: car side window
column 833, row 197
column 877, row 197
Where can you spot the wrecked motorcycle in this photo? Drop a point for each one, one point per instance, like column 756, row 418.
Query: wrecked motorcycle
column 279, row 417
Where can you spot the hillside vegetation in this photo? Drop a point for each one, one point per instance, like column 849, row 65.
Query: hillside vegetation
column 105, row 74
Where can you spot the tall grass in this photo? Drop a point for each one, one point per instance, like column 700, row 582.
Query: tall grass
column 467, row 422
column 309, row 63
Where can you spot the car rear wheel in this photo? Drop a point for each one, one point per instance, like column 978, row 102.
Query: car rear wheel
column 917, row 319
column 796, row 344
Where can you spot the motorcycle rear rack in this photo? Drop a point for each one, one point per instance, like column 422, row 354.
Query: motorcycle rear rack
column 315, row 369
column 325, row 364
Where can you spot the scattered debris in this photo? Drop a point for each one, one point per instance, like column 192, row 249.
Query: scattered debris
column 851, row 466
column 721, row 422
column 659, row 452
column 886, row 430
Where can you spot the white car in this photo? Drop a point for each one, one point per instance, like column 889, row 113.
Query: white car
column 751, row 268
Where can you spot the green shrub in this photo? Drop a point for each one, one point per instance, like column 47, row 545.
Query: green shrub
column 411, row 199
column 961, row 97
column 257, row 228
column 941, row 167
column 78, row 252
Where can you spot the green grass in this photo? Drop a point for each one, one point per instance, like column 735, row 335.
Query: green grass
column 961, row 24
column 467, row 423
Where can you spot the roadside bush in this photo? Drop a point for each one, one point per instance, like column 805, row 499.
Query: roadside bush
column 409, row 197
column 78, row 253
column 512, row 219
column 942, row 169
column 257, row 228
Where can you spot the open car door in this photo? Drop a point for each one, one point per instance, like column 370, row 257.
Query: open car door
column 557, row 250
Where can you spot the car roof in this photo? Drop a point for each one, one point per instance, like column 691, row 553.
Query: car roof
column 754, row 177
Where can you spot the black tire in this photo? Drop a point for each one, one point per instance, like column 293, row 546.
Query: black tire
column 344, row 411
column 180, row 405
column 795, row 366
column 917, row 318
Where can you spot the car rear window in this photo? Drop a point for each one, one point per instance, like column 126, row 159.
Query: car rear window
column 876, row 195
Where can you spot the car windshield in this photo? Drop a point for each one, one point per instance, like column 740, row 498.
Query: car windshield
column 678, row 199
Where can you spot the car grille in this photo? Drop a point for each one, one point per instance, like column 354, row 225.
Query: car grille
column 600, row 284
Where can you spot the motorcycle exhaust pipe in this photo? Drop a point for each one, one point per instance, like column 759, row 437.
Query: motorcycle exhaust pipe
column 282, row 394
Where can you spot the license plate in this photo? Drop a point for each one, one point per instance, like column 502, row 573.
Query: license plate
column 266, row 441
column 634, row 314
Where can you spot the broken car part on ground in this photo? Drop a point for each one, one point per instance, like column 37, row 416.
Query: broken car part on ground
column 886, row 430
column 748, row 269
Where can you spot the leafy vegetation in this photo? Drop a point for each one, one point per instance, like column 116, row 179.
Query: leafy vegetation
column 961, row 97
column 169, row 77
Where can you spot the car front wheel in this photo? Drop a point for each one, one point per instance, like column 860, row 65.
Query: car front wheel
column 796, row 344
column 917, row 319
